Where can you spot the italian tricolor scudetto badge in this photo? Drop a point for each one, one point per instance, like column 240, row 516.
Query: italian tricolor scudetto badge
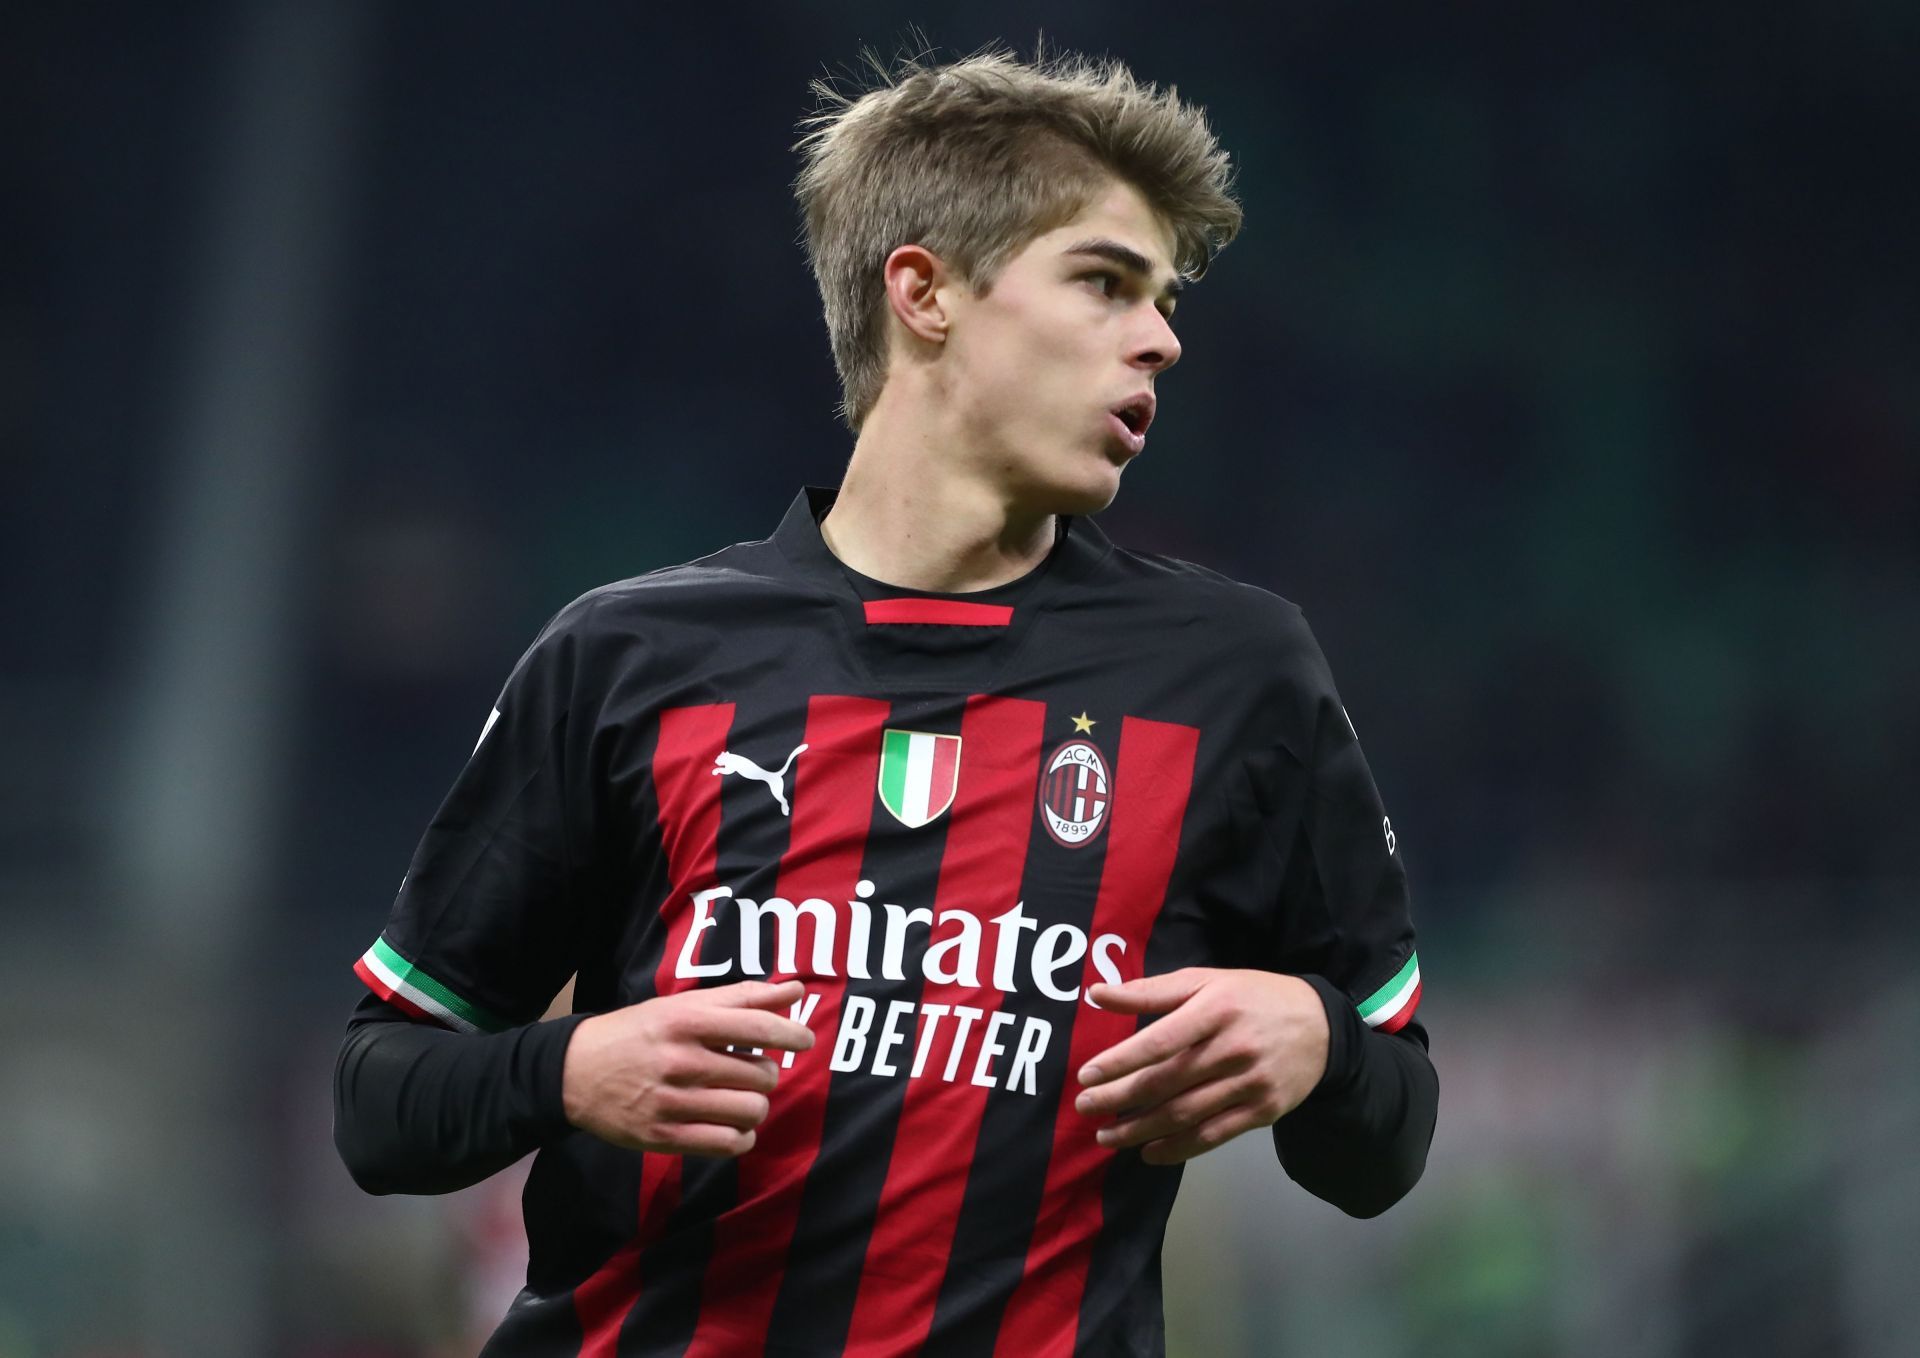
column 1389, row 1007
column 919, row 771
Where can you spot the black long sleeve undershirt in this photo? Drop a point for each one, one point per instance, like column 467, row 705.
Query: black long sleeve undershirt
column 1360, row 1140
column 419, row 1109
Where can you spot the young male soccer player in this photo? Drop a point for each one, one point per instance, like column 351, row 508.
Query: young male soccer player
column 872, row 843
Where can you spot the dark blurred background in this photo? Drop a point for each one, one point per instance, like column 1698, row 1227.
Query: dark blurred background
column 1565, row 373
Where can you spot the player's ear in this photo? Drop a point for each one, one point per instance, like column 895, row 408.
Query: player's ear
column 917, row 281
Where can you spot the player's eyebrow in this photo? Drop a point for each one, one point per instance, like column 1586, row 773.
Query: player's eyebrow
column 1127, row 258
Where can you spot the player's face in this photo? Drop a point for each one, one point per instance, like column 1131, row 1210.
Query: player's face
column 1074, row 328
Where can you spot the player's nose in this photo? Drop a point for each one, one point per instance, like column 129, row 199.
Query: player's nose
column 1156, row 347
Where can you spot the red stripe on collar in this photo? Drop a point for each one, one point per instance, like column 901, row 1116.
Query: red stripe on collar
column 949, row 611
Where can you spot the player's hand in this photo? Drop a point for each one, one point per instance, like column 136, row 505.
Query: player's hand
column 657, row 1076
column 1236, row 1050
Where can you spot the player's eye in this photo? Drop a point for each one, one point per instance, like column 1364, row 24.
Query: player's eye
column 1109, row 280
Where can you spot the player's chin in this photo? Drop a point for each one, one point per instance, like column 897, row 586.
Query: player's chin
column 1090, row 492
column 1082, row 480
column 1104, row 473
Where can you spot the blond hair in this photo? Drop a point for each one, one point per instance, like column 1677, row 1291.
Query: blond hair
column 975, row 159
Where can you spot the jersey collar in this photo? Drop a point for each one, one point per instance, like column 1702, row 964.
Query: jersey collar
column 908, row 641
column 1079, row 548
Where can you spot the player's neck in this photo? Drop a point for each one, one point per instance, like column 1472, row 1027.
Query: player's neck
column 910, row 513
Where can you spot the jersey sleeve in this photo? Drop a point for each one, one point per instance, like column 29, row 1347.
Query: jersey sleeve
column 485, row 928
column 1342, row 910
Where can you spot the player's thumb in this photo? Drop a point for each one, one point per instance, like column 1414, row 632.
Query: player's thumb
column 1150, row 994
column 757, row 994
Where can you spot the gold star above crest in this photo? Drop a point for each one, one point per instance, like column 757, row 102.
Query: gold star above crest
column 1082, row 724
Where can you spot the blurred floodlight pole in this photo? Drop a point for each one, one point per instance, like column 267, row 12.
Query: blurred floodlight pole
column 205, row 764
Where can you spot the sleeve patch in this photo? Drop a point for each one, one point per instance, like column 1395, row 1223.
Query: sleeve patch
column 1389, row 1007
column 403, row 985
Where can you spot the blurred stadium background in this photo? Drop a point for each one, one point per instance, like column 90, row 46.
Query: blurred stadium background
column 1566, row 374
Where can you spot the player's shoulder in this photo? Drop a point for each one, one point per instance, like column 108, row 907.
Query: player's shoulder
column 1245, row 630
column 1233, row 613
column 690, row 590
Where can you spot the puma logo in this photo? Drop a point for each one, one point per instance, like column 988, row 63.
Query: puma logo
column 729, row 762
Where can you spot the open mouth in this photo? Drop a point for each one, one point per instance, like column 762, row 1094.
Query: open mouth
column 1136, row 414
column 1125, row 434
column 1129, row 421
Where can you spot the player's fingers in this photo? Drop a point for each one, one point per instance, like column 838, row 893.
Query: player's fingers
column 741, row 1108
column 1155, row 1042
column 755, row 994
column 1183, row 1113
column 1148, row 1087
column 706, row 1139
column 1215, row 1131
column 1154, row 1085
column 750, row 1028
column 1150, row 994
column 709, row 1069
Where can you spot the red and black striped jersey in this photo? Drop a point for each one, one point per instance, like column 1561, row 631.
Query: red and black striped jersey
column 947, row 815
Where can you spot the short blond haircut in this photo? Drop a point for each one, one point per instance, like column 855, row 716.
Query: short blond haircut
column 975, row 159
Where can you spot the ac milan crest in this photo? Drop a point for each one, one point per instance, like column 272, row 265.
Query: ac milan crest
column 1075, row 792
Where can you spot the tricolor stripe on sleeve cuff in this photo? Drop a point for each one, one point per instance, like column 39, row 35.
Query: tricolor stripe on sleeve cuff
column 404, row 986
column 1389, row 1007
